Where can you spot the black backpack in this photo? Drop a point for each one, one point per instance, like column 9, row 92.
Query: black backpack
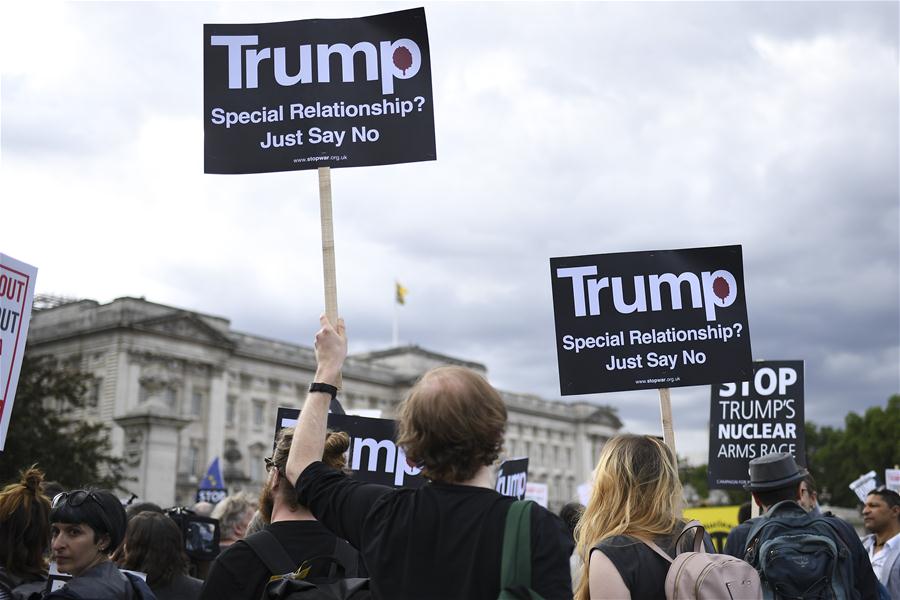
column 799, row 556
column 290, row 581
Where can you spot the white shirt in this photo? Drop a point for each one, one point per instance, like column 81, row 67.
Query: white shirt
column 878, row 560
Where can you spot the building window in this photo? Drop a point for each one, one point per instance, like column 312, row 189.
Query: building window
column 170, row 395
column 197, row 403
column 256, row 468
column 259, row 413
column 192, row 464
column 230, row 407
column 93, row 395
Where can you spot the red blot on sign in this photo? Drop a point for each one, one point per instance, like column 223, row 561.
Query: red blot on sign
column 721, row 288
column 402, row 58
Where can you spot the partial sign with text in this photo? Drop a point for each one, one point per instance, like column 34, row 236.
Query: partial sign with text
column 512, row 477
column 754, row 417
column 17, row 281
column 646, row 320
column 317, row 93
column 374, row 456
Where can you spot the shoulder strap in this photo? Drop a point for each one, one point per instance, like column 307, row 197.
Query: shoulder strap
column 697, row 544
column 269, row 550
column 347, row 556
column 515, row 564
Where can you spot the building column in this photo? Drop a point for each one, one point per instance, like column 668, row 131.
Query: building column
column 151, row 452
column 215, row 423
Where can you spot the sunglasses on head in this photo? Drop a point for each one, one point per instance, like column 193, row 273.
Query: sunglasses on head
column 75, row 498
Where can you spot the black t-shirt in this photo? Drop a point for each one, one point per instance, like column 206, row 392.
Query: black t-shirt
column 439, row 541
column 238, row 574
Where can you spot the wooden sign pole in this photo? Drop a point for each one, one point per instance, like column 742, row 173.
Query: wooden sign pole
column 665, row 410
column 331, row 309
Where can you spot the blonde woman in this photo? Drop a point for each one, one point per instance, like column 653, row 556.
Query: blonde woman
column 636, row 496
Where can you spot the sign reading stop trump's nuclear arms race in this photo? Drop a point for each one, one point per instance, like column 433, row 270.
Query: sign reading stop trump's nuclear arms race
column 647, row 320
column 17, row 281
column 317, row 93
column 754, row 417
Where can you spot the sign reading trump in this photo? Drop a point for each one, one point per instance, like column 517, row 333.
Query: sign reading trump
column 640, row 320
column 317, row 93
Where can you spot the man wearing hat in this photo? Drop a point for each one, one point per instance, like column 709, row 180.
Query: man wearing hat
column 776, row 478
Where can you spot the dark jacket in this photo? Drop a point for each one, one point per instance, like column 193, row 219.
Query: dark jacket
column 103, row 582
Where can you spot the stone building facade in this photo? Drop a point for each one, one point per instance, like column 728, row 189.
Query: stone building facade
column 178, row 388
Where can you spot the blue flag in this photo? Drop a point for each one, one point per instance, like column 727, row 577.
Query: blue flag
column 212, row 486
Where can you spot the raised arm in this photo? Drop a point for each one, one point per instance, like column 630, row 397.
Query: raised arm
column 309, row 435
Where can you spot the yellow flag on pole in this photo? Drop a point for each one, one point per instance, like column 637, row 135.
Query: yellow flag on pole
column 400, row 293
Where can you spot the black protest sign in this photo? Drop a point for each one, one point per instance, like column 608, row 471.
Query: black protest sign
column 373, row 456
column 646, row 320
column 512, row 476
column 751, row 418
column 317, row 93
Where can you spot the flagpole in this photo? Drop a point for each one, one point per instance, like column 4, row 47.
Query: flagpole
column 396, row 336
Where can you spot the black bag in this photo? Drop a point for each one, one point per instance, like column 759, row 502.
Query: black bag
column 290, row 581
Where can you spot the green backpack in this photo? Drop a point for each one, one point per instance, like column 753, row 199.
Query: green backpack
column 515, row 565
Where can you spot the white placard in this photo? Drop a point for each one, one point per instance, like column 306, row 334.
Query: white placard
column 584, row 493
column 863, row 485
column 892, row 479
column 16, row 296
column 538, row 492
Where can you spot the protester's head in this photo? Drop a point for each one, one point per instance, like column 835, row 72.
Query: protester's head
column 203, row 509
column 809, row 496
column 138, row 507
column 570, row 513
column 86, row 526
column 277, row 488
column 881, row 514
column 153, row 545
column 775, row 478
column 24, row 525
column 745, row 511
column 234, row 514
column 636, row 491
column 452, row 424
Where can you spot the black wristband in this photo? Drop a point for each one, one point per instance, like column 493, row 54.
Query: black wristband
column 326, row 388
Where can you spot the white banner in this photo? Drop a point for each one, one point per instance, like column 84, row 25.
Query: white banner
column 538, row 492
column 892, row 479
column 16, row 296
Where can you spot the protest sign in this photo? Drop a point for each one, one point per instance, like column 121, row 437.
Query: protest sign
column 752, row 418
column 512, row 476
column 373, row 455
column 317, row 93
column 864, row 484
column 212, row 486
column 717, row 520
column 538, row 492
column 892, row 479
column 17, row 281
column 648, row 320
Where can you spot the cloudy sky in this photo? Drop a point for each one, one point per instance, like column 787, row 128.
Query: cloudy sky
column 562, row 129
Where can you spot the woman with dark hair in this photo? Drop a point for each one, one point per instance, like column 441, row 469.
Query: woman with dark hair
column 154, row 545
column 86, row 527
column 24, row 535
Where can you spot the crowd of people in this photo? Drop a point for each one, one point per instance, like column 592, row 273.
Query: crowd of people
column 453, row 538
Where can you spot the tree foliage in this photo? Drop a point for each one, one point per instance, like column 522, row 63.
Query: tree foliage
column 74, row 452
column 838, row 456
